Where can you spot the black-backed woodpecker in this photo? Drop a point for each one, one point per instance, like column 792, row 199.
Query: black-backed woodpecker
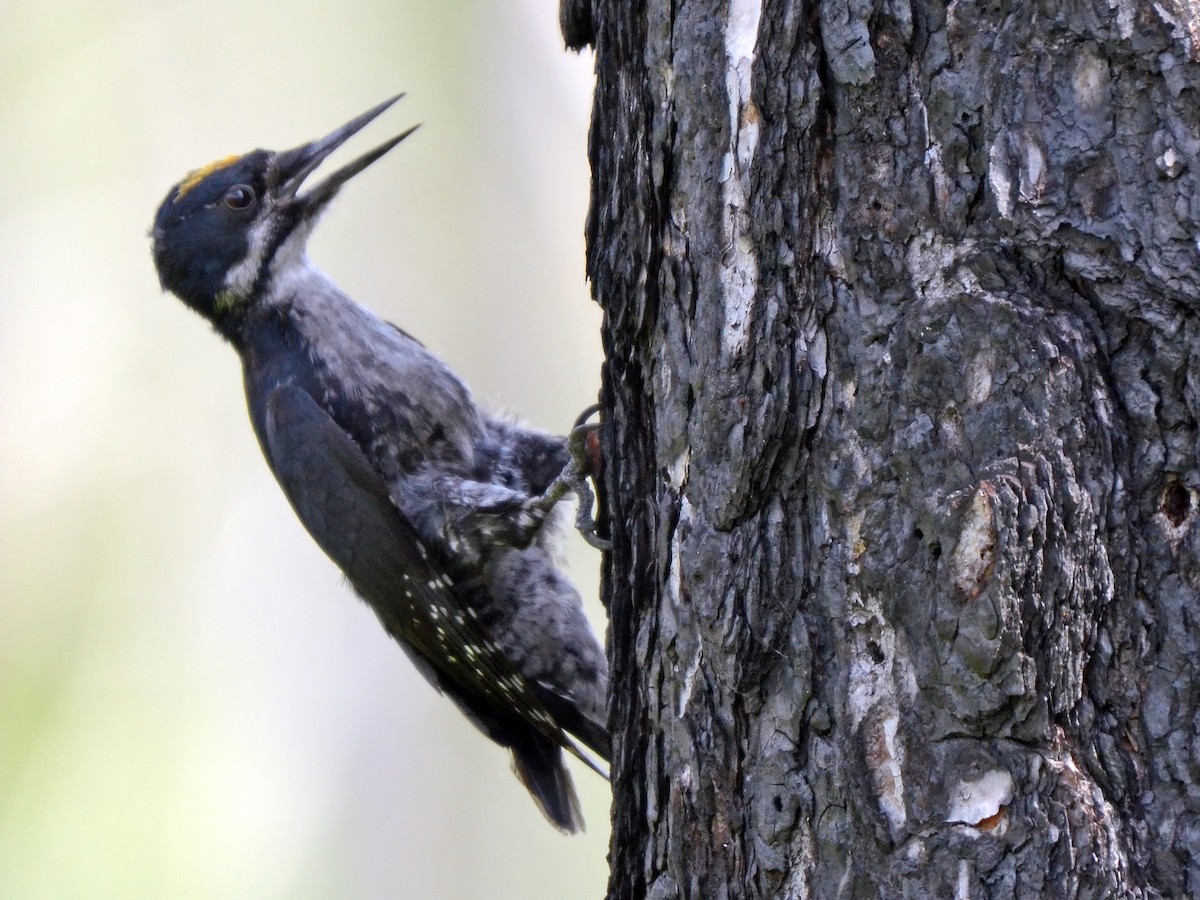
column 433, row 509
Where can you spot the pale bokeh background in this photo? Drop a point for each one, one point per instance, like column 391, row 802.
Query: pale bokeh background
column 192, row 704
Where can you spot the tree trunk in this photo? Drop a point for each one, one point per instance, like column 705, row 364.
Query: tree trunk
column 901, row 398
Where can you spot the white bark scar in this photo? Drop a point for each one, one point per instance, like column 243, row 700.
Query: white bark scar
column 972, row 802
column 739, row 264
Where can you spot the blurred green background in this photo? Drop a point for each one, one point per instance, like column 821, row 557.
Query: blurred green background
column 192, row 703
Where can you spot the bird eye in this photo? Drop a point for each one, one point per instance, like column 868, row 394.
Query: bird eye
column 240, row 196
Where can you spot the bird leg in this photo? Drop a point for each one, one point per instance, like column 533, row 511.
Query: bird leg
column 478, row 514
column 583, row 465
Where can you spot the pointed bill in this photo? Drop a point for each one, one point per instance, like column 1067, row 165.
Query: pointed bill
column 295, row 165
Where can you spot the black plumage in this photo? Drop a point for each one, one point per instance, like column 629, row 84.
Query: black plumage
column 428, row 505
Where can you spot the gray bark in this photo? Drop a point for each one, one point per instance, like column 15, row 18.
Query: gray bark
column 901, row 385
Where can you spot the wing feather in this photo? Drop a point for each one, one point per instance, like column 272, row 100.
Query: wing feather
column 345, row 506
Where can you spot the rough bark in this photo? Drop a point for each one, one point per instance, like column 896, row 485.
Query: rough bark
column 902, row 399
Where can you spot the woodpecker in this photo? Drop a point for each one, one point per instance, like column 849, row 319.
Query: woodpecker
column 436, row 511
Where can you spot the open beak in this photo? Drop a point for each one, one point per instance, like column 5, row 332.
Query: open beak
column 296, row 165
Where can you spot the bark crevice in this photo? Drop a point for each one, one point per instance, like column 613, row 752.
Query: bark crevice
column 901, row 445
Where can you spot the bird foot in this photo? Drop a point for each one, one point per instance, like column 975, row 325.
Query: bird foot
column 583, row 446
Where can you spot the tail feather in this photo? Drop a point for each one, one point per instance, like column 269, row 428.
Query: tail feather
column 538, row 763
column 570, row 717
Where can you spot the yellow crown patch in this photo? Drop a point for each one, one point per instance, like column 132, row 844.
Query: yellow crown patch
column 198, row 175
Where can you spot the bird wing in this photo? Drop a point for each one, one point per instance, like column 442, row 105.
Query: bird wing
column 345, row 505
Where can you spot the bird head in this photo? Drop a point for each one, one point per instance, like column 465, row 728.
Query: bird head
column 228, row 230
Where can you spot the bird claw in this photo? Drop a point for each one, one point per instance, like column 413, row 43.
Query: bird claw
column 585, row 521
column 583, row 443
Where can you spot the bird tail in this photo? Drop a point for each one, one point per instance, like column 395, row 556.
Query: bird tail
column 538, row 762
column 570, row 717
